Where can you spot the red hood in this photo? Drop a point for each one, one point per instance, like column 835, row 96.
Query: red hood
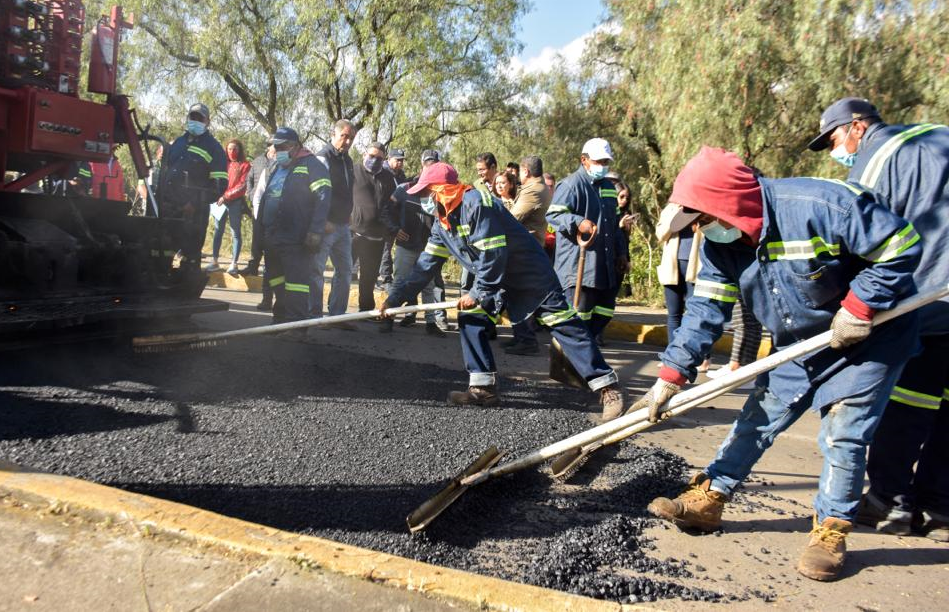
column 718, row 183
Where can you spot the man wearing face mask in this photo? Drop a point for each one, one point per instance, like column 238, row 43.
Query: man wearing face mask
column 372, row 222
column 293, row 211
column 584, row 207
column 804, row 254
column 907, row 166
column 510, row 272
column 194, row 174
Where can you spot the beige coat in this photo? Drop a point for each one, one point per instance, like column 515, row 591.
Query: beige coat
column 530, row 207
column 668, row 268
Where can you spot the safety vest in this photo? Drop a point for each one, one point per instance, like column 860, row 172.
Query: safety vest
column 108, row 183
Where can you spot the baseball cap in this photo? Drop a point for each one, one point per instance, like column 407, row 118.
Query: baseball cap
column 437, row 174
column 397, row 154
column 284, row 135
column 430, row 155
column 684, row 217
column 597, row 148
column 200, row 109
column 840, row 113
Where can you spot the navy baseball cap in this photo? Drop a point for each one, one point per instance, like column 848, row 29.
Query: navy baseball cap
column 284, row 135
column 430, row 155
column 397, row 154
column 199, row 109
column 840, row 113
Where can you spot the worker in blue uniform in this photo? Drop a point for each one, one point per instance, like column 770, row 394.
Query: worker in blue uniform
column 907, row 167
column 804, row 254
column 584, row 203
column 511, row 272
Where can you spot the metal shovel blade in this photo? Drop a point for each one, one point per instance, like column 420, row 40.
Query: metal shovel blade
column 422, row 516
column 561, row 369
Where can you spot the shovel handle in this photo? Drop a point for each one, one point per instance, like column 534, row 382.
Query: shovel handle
column 581, row 264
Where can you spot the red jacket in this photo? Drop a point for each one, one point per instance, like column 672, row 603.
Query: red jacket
column 237, row 172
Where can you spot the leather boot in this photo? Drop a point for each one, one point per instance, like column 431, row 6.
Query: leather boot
column 698, row 507
column 824, row 556
column 876, row 513
column 611, row 398
column 475, row 396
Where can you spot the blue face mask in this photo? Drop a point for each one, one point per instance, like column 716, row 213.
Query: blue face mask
column 596, row 171
column 282, row 158
column 841, row 155
column 716, row 233
column 195, row 128
column 429, row 207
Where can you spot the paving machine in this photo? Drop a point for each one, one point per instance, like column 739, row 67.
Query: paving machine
column 70, row 261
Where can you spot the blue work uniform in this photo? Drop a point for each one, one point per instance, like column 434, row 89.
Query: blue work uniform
column 907, row 167
column 819, row 240
column 578, row 197
column 194, row 173
column 512, row 273
column 296, row 202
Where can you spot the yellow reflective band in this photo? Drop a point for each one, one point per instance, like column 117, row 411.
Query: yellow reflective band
column 479, row 311
column 277, row 280
column 550, row 229
column 801, row 249
column 486, row 199
column 871, row 174
column 315, row 185
column 895, row 244
column 201, row 153
column 85, row 173
column 436, row 250
column 298, row 288
column 853, row 188
column 557, row 208
column 603, row 311
column 464, row 230
column 556, row 318
column 609, row 193
column 301, row 170
column 585, row 315
column 218, row 175
column 716, row 291
column 945, row 394
column 913, row 398
column 494, row 242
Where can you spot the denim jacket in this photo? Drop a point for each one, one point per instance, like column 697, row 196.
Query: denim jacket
column 821, row 239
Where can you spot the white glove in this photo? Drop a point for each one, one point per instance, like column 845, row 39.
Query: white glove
column 656, row 400
column 847, row 328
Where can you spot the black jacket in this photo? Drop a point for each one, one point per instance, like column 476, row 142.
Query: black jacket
column 340, row 166
column 407, row 211
column 372, row 204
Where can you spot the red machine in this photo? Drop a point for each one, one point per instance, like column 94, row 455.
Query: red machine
column 67, row 259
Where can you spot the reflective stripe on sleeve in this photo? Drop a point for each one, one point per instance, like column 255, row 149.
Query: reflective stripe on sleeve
column 557, row 208
column 871, row 174
column 716, row 291
column 301, row 170
column 551, row 319
column 277, row 280
column 202, row 154
column 464, row 230
column 494, row 242
column 218, row 175
column 603, row 311
column 315, row 185
column 85, row 173
column 609, row 193
column 894, row 245
column 914, row 398
column 801, row 249
column 479, row 311
column 436, row 250
column 298, row 287
column 945, row 394
column 855, row 189
column 486, row 199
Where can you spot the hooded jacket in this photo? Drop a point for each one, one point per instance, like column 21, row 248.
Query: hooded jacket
column 821, row 242
column 303, row 203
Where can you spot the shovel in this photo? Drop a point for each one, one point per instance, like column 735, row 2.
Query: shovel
column 635, row 422
column 561, row 369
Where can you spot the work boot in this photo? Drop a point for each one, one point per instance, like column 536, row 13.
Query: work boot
column 407, row 321
column 248, row 270
column 931, row 525
column 432, row 329
column 509, row 342
column 265, row 306
column 698, row 507
column 523, row 348
column 876, row 513
column 475, row 396
column 824, row 556
column 385, row 326
column 611, row 398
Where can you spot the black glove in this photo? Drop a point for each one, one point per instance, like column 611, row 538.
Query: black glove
column 313, row 241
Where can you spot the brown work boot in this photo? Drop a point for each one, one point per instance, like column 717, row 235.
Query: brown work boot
column 475, row 396
column 824, row 556
column 698, row 507
column 611, row 398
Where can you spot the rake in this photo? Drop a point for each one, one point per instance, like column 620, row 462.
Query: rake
column 185, row 342
column 485, row 466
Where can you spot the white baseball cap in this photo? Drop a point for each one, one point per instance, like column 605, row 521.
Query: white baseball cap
column 597, row 148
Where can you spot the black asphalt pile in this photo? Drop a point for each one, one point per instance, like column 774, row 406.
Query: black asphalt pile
column 344, row 446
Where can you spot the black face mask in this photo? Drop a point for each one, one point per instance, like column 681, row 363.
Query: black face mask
column 372, row 164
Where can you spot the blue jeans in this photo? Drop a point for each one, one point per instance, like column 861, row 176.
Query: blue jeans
column 235, row 209
column 337, row 247
column 676, row 297
column 846, row 430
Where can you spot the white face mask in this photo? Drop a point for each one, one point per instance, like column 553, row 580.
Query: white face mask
column 716, row 233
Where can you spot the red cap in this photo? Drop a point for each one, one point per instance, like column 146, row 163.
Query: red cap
column 438, row 173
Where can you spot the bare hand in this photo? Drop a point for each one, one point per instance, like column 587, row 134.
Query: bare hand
column 402, row 236
column 628, row 221
column 382, row 310
column 587, row 229
column 220, row 200
column 466, row 302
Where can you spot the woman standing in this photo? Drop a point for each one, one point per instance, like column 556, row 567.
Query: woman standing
column 505, row 185
column 237, row 170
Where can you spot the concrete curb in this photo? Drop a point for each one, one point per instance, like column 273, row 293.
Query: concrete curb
column 658, row 335
column 178, row 520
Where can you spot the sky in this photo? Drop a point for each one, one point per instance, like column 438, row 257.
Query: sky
column 555, row 26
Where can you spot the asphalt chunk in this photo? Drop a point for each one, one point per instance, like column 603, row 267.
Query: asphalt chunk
column 327, row 442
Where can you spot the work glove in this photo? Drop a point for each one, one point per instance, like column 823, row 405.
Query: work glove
column 656, row 399
column 847, row 328
column 313, row 241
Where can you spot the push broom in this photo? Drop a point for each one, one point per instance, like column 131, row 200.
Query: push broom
column 485, row 466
